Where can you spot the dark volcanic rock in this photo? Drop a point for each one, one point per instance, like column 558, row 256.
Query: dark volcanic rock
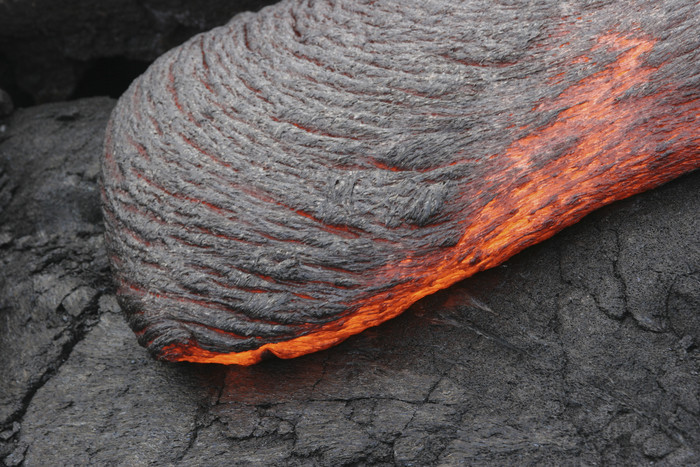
column 52, row 263
column 6, row 105
column 47, row 47
column 583, row 349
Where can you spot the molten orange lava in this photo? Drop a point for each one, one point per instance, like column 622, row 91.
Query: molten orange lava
column 622, row 145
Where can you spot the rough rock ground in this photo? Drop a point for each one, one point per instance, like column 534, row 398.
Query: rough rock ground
column 580, row 350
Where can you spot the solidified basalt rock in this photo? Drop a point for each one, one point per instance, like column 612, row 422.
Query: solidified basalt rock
column 53, row 265
column 298, row 175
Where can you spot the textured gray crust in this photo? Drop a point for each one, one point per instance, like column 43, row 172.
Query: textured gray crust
column 271, row 176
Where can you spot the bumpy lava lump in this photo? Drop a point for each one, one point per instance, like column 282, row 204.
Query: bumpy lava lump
column 287, row 180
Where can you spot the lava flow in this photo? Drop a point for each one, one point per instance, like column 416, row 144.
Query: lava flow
column 305, row 231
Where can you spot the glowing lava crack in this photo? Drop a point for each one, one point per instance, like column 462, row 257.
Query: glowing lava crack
column 296, row 176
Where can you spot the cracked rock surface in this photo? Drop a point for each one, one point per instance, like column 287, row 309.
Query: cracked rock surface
column 583, row 349
column 52, row 261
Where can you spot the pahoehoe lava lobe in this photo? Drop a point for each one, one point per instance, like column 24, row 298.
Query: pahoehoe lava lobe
column 287, row 180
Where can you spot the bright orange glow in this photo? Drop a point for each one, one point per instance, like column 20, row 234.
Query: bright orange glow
column 621, row 146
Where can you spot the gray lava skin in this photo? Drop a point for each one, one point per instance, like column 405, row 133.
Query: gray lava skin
column 287, row 180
